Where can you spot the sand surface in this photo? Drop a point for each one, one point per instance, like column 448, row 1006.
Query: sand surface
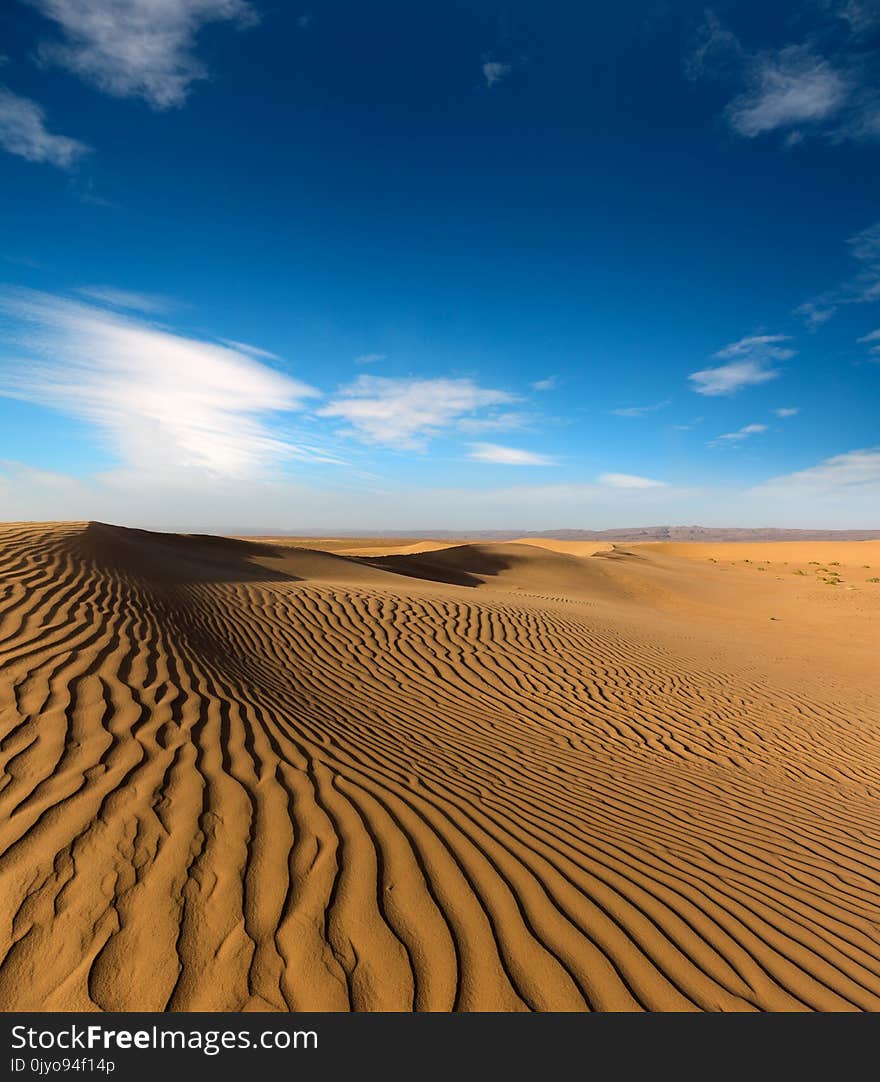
column 397, row 775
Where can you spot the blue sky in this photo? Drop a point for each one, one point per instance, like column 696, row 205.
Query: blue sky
column 464, row 265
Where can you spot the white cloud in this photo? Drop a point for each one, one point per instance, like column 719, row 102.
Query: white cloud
column 136, row 48
column 628, row 480
column 548, row 384
column 787, row 411
column 750, row 359
column 640, row 411
column 507, row 456
column 370, row 358
column 494, row 72
column 164, row 402
column 150, row 303
column 740, row 434
column 787, row 89
column 23, row 132
column 730, row 378
column 405, row 413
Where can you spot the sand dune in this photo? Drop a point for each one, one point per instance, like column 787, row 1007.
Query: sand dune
column 261, row 776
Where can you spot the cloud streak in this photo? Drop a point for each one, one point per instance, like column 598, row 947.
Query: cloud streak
column 149, row 303
column 163, row 401
column 737, row 437
column 628, row 480
column 640, row 411
column 507, row 456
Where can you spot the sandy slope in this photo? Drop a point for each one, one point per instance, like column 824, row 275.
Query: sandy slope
column 482, row 777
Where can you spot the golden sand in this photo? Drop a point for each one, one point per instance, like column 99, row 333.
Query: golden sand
column 433, row 776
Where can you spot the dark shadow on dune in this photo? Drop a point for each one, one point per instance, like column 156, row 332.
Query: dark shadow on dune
column 171, row 557
column 618, row 554
column 462, row 565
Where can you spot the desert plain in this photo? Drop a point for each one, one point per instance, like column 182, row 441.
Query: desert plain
column 402, row 774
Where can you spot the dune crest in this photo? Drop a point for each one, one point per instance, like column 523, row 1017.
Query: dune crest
column 241, row 775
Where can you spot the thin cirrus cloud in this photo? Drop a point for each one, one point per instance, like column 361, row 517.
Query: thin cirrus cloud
column 149, row 303
column 640, row 411
column 862, row 288
column 23, row 132
column 547, row 384
column 873, row 341
column 139, row 48
column 738, row 436
column 628, row 480
column 499, row 455
column 798, row 90
column 496, row 421
column 749, row 364
column 246, row 347
column 370, row 358
column 787, row 411
column 164, row 402
column 406, row 413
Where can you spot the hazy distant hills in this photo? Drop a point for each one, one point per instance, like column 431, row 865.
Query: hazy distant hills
column 632, row 533
column 708, row 533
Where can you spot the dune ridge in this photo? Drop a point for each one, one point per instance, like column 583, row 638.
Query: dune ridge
column 238, row 775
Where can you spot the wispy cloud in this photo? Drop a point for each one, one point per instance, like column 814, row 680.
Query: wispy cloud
column 815, row 313
column 640, row 411
column 136, row 48
column 23, row 132
column 862, row 288
column 793, row 88
column 507, row 456
column 165, row 402
column 628, row 480
column 370, row 358
column 405, row 413
column 246, row 347
column 750, row 359
column 548, row 384
column 763, row 345
column 787, row 411
column 149, row 303
column 737, row 437
column 715, row 48
column 496, row 421
column 494, row 71
column 797, row 90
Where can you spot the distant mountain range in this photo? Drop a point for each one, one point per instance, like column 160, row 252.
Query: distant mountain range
column 631, row 533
